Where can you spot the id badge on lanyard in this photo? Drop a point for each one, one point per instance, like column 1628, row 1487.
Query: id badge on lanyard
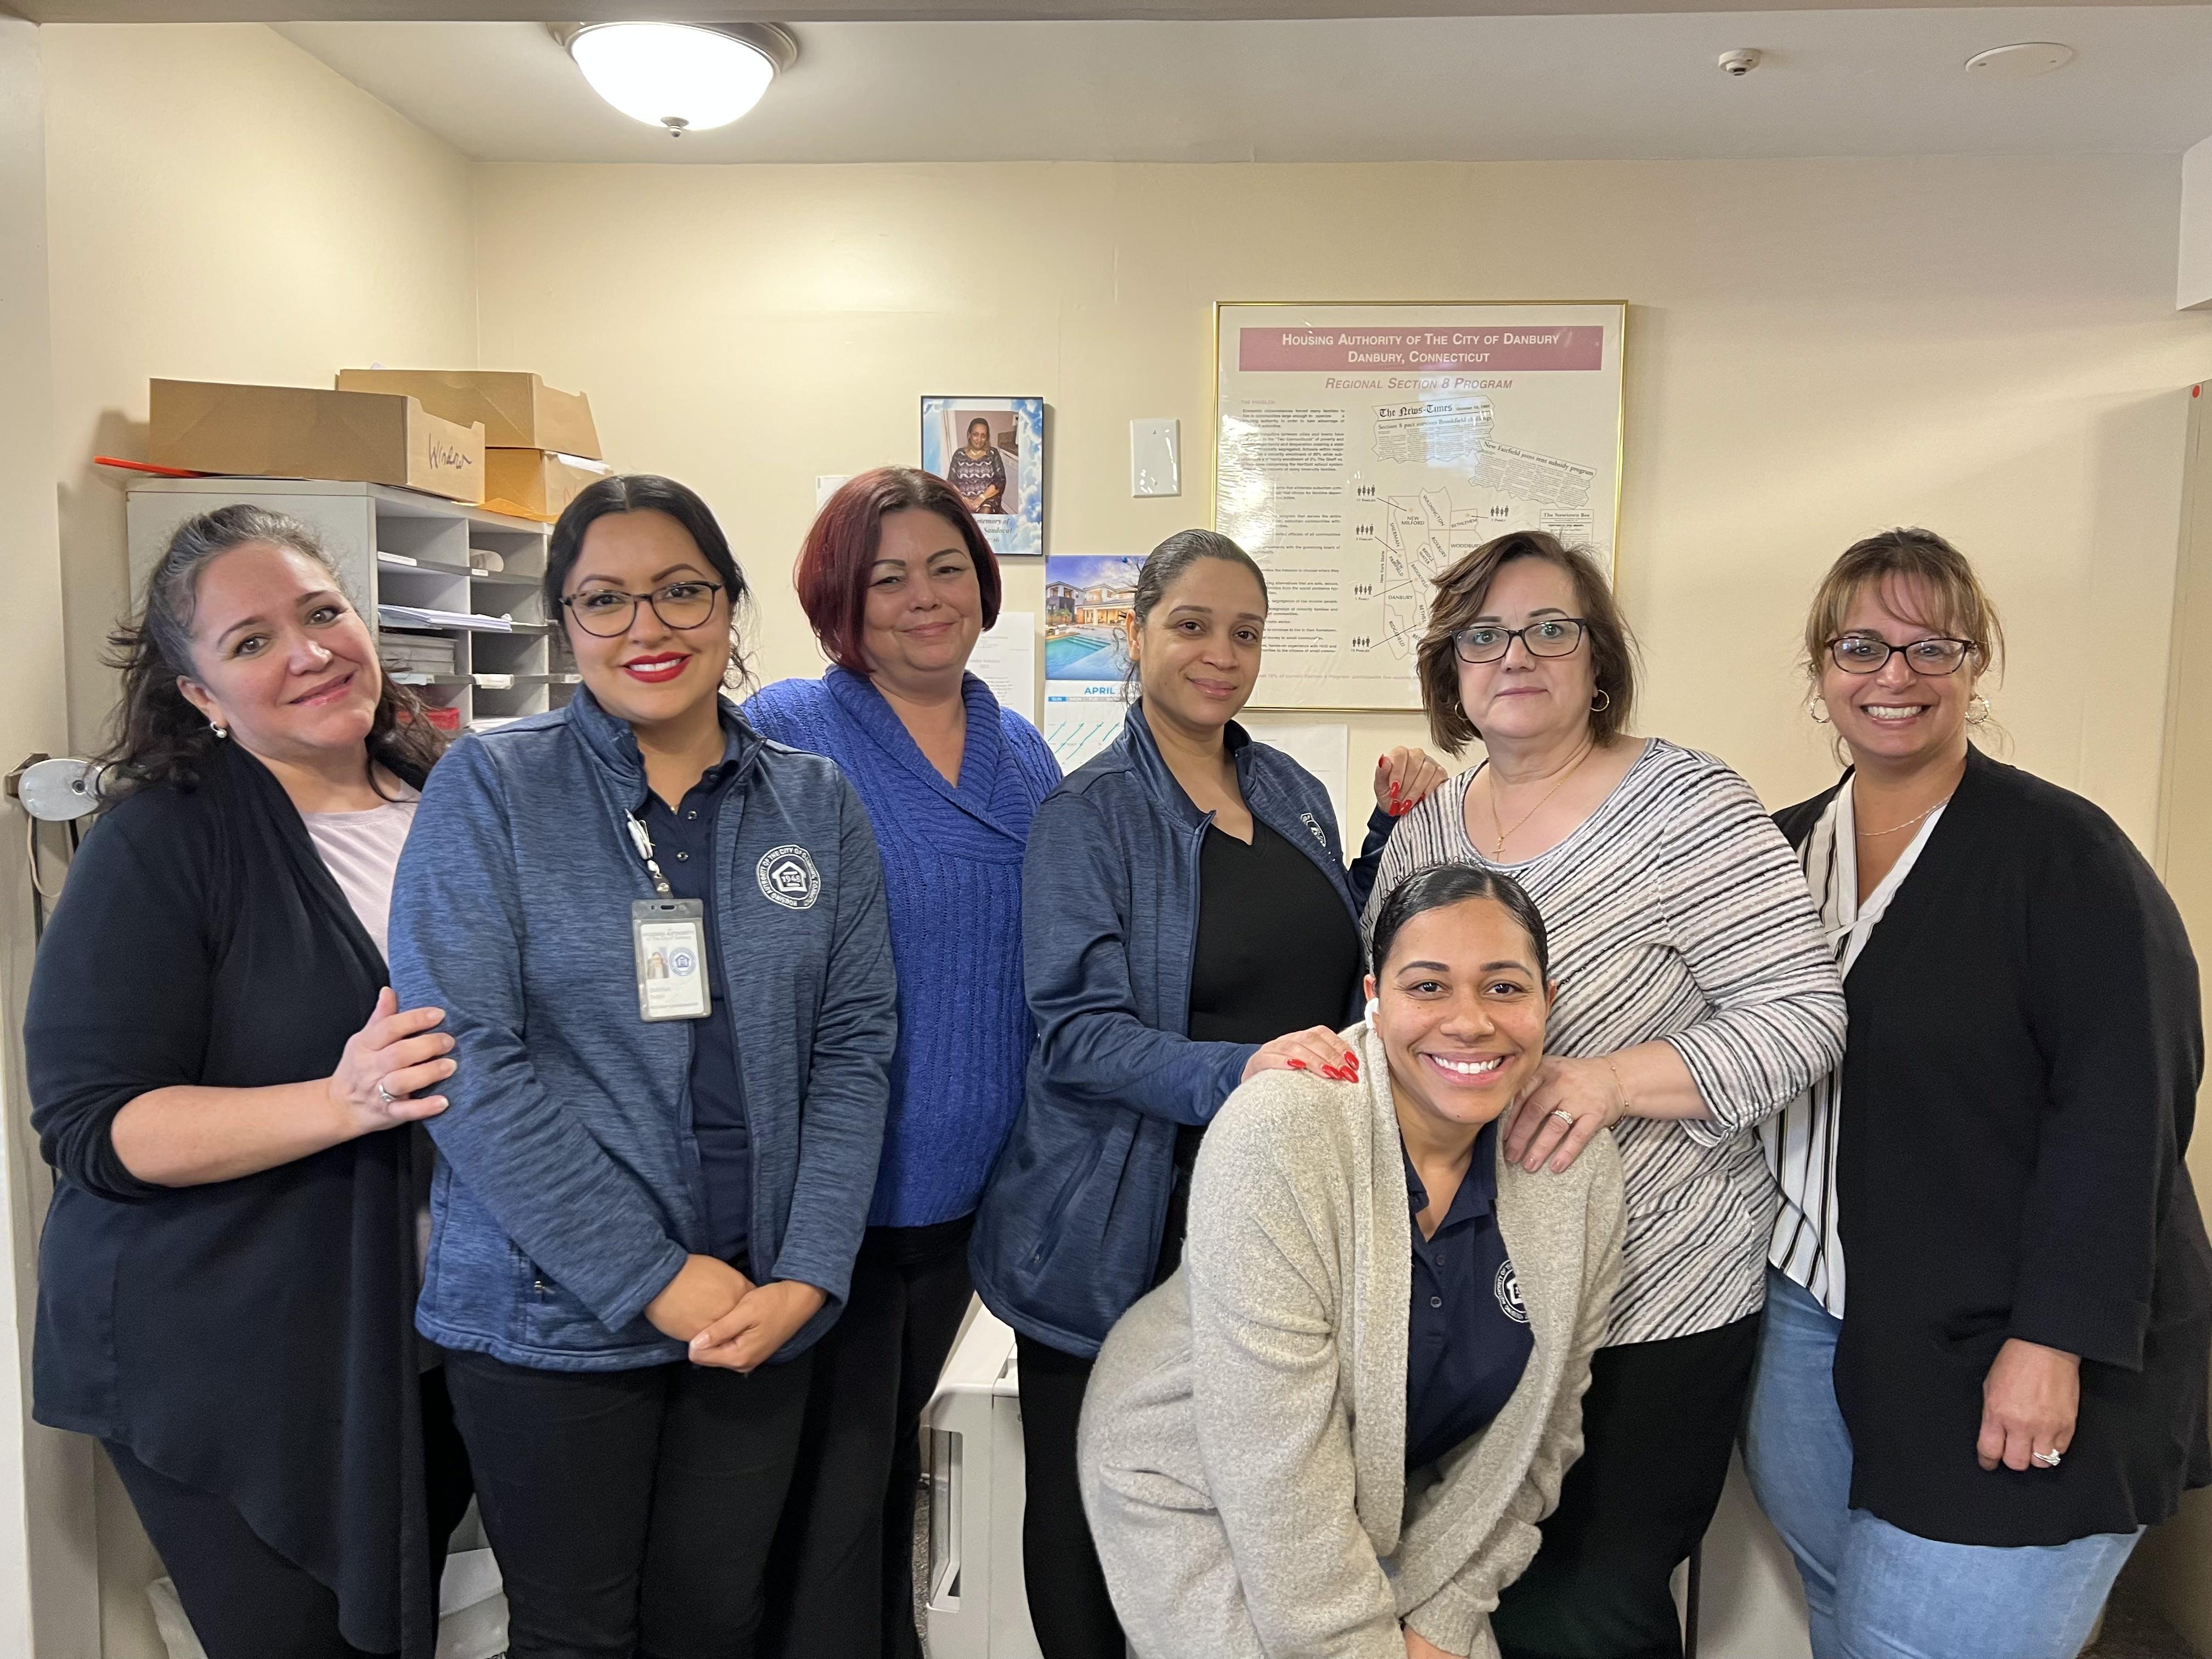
column 668, row 941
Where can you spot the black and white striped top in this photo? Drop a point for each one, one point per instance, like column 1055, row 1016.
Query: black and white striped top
column 1676, row 912
column 1799, row 1140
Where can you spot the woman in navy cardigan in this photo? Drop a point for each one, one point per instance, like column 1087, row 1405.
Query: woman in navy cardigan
column 899, row 584
column 1188, row 922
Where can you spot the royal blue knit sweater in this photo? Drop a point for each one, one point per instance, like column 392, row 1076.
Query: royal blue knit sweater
column 952, row 874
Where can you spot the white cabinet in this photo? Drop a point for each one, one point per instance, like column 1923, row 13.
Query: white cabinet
column 395, row 547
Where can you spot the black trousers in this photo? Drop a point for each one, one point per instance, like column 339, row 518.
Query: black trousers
column 1659, row 1423
column 631, row 1512
column 246, row 1602
column 1069, row 1608
column 842, row 1578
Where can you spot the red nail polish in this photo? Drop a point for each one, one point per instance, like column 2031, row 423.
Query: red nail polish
column 1332, row 1074
column 1298, row 1065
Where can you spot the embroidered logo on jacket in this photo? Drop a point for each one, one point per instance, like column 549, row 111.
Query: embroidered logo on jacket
column 1314, row 825
column 787, row 877
column 1507, row 1289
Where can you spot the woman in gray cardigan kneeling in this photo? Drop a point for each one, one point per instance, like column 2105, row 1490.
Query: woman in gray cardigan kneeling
column 1333, row 1431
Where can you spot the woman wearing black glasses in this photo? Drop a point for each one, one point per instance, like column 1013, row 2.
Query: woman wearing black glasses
column 660, row 944
column 1696, row 997
column 1962, row 1454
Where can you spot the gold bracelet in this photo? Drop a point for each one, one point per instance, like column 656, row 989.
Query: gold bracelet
column 1619, row 1088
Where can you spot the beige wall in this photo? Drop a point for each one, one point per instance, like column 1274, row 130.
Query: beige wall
column 2173, row 1560
column 49, row 1600
column 223, row 207
column 1816, row 349
column 220, row 206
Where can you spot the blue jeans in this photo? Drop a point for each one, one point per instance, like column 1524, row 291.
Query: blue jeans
column 1873, row 1591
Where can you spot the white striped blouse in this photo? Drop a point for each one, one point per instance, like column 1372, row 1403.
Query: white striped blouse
column 1676, row 913
column 1799, row 1140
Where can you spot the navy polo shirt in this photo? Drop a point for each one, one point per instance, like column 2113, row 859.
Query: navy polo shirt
column 683, row 846
column 1468, row 1340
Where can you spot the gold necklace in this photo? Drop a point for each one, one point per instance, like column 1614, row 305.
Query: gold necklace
column 1499, row 818
column 1875, row 835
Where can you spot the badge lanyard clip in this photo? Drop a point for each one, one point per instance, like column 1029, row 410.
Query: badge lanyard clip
column 643, row 841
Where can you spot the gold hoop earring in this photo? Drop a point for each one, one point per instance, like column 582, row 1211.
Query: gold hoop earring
column 1977, row 710
column 1817, row 707
column 1601, row 703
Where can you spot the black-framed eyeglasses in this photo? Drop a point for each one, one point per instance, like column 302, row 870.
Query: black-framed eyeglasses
column 607, row 612
column 1554, row 636
column 1869, row 654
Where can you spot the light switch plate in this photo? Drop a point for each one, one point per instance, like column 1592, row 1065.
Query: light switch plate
column 1155, row 468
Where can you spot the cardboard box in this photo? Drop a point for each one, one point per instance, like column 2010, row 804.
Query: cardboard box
column 535, row 483
column 519, row 411
column 299, row 432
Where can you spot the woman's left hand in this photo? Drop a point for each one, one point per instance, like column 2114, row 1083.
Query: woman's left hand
column 1563, row 1111
column 2029, row 1402
column 1404, row 778
column 765, row 1318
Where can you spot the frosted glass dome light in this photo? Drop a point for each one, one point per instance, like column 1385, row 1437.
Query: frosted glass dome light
column 682, row 76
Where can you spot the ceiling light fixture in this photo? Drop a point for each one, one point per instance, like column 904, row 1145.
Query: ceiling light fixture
column 684, row 77
column 2021, row 63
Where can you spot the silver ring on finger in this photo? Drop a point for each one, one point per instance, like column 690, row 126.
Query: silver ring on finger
column 2050, row 1460
column 386, row 1096
column 1564, row 1116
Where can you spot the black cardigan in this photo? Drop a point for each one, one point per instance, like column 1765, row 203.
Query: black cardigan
column 250, row 1338
column 2018, row 1090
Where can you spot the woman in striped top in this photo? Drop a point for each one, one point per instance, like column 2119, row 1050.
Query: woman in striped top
column 1696, row 998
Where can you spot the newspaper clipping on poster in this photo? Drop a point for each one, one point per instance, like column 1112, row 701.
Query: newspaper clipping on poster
column 1361, row 449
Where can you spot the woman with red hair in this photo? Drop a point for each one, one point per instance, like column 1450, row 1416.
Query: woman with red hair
column 898, row 584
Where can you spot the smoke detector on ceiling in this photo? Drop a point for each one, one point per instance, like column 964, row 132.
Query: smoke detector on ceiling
column 1739, row 62
column 2020, row 63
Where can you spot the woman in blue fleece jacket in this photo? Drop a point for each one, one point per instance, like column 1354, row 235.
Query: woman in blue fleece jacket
column 1187, row 922
column 661, row 946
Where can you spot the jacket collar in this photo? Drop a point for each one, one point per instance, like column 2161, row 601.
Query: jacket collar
column 984, row 754
column 614, row 746
column 1151, row 766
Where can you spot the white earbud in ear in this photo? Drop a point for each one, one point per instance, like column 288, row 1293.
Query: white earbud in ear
column 1373, row 1009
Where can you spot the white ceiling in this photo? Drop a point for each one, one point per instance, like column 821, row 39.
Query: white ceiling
column 866, row 11
column 1496, row 88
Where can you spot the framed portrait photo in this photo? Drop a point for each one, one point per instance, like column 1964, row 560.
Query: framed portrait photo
column 991, row 450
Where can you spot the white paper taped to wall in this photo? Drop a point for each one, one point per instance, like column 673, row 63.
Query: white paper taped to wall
column 1323, row 750
column 1006, row 660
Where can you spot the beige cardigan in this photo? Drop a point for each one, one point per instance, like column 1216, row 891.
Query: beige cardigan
column 1243, row 1441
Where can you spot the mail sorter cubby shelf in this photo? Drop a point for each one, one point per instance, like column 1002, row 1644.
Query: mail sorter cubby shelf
column 400, row 553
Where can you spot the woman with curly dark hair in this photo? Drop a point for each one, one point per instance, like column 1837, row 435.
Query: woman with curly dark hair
column 228, row 1092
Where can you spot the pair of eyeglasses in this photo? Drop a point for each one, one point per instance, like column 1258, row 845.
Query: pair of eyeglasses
column 1869, row 654
column 1554, row 636
column 608, row 613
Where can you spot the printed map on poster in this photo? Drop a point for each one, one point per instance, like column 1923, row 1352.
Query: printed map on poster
column 1361, row 449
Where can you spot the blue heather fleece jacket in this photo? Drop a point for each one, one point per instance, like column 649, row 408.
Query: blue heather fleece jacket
column 568, row 1191
column 953, row 877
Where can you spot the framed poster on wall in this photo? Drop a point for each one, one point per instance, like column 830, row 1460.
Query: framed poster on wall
column 1359, row 449
column 991, row 451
